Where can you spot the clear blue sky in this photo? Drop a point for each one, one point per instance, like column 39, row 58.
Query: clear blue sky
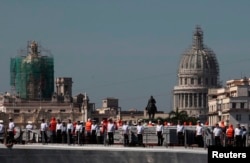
column 127, row 49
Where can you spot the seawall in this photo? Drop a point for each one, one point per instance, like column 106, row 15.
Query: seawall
column 38, row 153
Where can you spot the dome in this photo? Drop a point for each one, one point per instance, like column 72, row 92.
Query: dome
column 198, row 72
column 199, row 60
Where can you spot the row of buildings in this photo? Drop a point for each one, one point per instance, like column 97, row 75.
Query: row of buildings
column 198, row 91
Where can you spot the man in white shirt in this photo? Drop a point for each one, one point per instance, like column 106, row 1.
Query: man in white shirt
column 64, row 132
column 140, row 132
column 217, row 132
column 159, row 133
column 59, row 131
column 70, row 129
column 1, row 127
column 79, row 132
column 2, row 130
column 238, row 135
column 44, row 128
column 94, row 128
column 180, row 133
column 125, row 132
column 111, row 130
column 29, row 128
column 199, row 134
column 11, row 128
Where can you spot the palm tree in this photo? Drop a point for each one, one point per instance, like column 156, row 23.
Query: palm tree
column 177, row 115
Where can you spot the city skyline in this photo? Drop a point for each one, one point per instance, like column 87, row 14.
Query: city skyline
column 128, row 50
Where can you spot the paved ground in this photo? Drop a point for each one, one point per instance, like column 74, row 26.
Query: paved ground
column 37, row 153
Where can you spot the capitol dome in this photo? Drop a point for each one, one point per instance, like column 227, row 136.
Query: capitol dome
column 199, row 60
column 198, row 71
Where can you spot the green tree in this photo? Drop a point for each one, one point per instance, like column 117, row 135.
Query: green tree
column 175, row 116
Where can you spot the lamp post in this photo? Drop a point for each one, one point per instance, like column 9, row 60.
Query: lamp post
column 83, row 112
column 219, row 109
column 119, row 113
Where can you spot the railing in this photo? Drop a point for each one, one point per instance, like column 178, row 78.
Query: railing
column 149, row 137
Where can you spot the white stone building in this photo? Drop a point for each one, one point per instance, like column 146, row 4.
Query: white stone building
column 230, row 104
column 198, row 71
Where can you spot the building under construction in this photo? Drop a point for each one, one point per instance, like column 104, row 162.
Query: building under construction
column 32, row 75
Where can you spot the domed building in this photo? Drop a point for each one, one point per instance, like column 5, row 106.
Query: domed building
column 198, row 71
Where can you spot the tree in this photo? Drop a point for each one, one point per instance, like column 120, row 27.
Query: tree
column 177, row 115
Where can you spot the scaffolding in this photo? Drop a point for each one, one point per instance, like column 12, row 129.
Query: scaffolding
column 32, row 75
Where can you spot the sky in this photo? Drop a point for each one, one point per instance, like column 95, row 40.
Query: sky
column 129, row 49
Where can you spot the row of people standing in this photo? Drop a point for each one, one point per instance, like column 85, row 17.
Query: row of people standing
column 137, row 138
column 79, row 132
column 9, row 129
column 236, row 137
column 62, row 132
column 232, row 136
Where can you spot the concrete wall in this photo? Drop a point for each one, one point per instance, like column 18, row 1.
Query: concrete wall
column 99, row 156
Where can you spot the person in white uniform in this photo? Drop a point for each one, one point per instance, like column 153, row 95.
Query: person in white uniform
column 140, row 132
column 29, row 128
column 2, row 130
column 70, row 129
column 59, row 128
column 94, row 128
column 110, row 131
column 199, row 134
column 159, row 133
column 44, row 128
column 11, row 128
column 217, row 133
column 79, row 133
column 125, row 132
column 180, row 133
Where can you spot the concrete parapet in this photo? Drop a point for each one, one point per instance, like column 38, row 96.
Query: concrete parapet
column 100, row 154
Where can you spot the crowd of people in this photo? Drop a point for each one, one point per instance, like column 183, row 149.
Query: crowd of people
column 229, row 135
column 224, row 135
column 90, row 132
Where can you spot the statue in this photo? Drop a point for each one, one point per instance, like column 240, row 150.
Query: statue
column 34, row 48
column 151, row 108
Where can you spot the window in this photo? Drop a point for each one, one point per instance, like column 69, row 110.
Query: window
column 199, row 80
column 199, row 62
column 186, row 100
column 200, row 99
column 204, row 100
column 195, row 100
column 191, row 100
column 62, row 110
column 242, row 105
column 234, row 105
column 16, row 111
column 192, row 80
column 185, row 81
column 206, row 80
column 238, row 117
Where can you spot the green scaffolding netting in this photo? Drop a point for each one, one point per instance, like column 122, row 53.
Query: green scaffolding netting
column 32, row 77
